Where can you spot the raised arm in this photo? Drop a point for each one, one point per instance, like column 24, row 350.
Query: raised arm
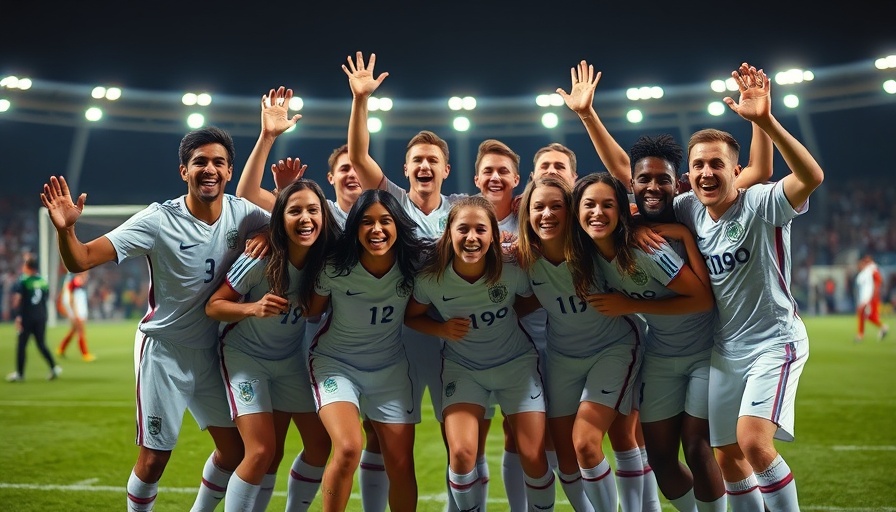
column 363, row 84
column 64, row 213
column 805, row 173
column 274, row 121
column 581, row 101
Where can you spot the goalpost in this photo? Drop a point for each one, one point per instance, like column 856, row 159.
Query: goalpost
column 95, row 221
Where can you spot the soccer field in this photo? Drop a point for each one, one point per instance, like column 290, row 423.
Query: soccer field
column 69, row 444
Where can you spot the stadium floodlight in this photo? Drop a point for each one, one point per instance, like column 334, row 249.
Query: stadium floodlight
column 550, row 120
column 373, row 103
column 468, row 102
column 98, row 92
column 113, row 93
column 110, row 93
column 14, row 82
column 204, row 99
column 461, row 123
column 793, row 76
column 296, row 103
column 195, row 120
column 4, row 105
column 374, row 124
column 716, row 108
column 890, row 86
column 634, row 116
column 189, row 99
column 93, row 114
column 645, row 92
column 385, row 104
column 888, row 62
column 455, row 103
column 791, row 100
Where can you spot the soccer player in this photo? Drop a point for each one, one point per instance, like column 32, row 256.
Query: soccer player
column 188, row 242
column 264, row 352
column 74, row 298
column 761, row 343
column 29, row 306
column 357, row 359
column 868, row 283
column 486, row 351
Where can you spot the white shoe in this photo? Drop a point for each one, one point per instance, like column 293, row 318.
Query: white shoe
column 14, row 377
column 54, row 372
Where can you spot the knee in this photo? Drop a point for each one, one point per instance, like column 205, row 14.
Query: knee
column 347, row 454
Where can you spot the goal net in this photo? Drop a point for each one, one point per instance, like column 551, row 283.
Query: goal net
column 114, row 291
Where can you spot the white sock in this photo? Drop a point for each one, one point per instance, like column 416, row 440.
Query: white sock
column 514, row 482
column 484, row 474
column 450, row 505
column 304, row 482
column 240, row 495
column 685, row 502
column 374, row 482
column 141, row 495
column 466, row 489
column 778, row 486
column 630, row 479
column 600, row 487
column 541, row 492
column 717, row 505
column 651, row 495
column 575, row 492
column 265, row 493
column 213, row 487
column 744, row 496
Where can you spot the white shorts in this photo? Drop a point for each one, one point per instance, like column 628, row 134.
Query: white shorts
column 764, row 387
column 424, row 354
column 80, row 304
column 516, row 384
column 171, row 379
column 672, row 385
column 607, row 377
column 262, row 385
column 381, row 395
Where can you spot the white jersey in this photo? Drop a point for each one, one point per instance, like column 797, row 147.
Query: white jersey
column 363, row 328
column 430, row 225
column 495, row 336
column 188, row 260
column 272, row 338
column 667, row 335
column 865, row 285
column 77, row 294
column 339, row 215
column 574, row 328
column 747, row 252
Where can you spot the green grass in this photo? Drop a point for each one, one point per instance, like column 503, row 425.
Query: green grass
column 69, row 444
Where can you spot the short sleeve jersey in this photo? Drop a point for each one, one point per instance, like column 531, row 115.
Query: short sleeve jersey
column 495, row 336
column 188, row 260
column 747, row 252
column 339, row 215
column 34, row 290
column 574, row 328
column 430, row 225
column 667, row 335
column 364, row 326
column 271, row 338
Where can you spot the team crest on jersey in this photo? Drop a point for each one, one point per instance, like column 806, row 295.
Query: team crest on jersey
column 246, row 391
column 639, row 277
column 450, row 388
column 443, row 223
column 232, row 236
column 402, row 290
column 497, row 293
column 734, row 231
column 330, row 385
column 154, row 425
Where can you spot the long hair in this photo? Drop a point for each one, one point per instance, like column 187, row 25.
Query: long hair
column 201, row 137
column 584, row 272
column 407, row 245
column 443, row 253
column 528, row 243
column 277, row 269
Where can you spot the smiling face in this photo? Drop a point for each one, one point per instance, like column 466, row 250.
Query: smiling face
column 426, row 169
column 345, row 181
column 302, row 219
column 712, row 169
column 547, row 214
column 653, row 186
column 471, row 236
column 207, row 172
column 377, row 232
column 599, row 212
column 496, row 178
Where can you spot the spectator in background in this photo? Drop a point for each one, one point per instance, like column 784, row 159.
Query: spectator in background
column 74, row 301
column 29, row 304
column 868, row 291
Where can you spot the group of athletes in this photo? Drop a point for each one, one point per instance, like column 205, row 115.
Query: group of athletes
column 606, row 305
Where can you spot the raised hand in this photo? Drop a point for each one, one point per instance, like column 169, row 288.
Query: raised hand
column 360, row 76
column 274, row 112
column 755, row 88
column 581, row 93
column 287, row 171
column 57, row 198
